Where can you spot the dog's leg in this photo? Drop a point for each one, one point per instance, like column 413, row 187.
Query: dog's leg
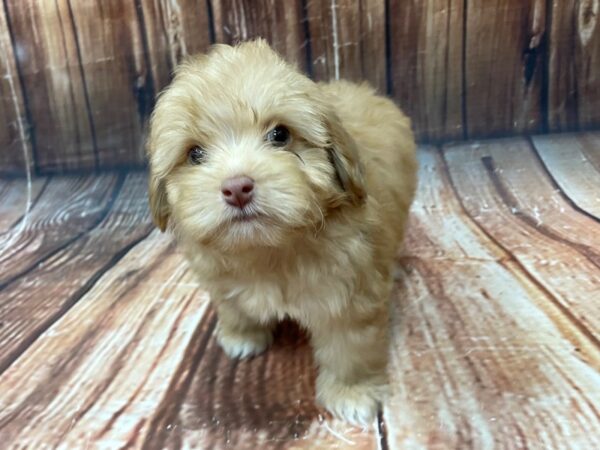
column 352, row 353
column 241, row 336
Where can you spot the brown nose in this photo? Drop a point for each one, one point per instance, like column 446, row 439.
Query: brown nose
column 238, row 191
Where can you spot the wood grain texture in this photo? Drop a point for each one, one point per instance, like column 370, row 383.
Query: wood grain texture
column 265, row 402
column 481, row 357
column 347, row 40
column 574, row 58
column 17, row 199
column 86, row 81
column 503, row 66
column 108, row 308
column 78, row 78
column 67, row 208
column 14, row 133
column 60, row 272
column 173, row 30
column 520, row 209
column 102, row 371
column 573, row 161
column 280, row 23
column 118, row 80
column 109, row 341
column 53, row 84
column 426, row 58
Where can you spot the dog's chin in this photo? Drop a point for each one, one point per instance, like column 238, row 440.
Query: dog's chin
column 248, row 230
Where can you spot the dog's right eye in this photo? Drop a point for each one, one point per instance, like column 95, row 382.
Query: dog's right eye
column 196, row 155
column 279, row 136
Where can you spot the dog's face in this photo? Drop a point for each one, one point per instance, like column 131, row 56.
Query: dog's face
column 245, row 151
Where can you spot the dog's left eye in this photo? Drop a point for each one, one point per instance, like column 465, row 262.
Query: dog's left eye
column 279, row 136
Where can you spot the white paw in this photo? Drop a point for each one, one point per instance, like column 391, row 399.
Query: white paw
column 242, row 345
column 356, row 404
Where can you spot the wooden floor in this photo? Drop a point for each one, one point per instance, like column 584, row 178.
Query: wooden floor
column 107, row 342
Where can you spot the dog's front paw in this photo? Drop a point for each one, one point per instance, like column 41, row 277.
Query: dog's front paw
column 242, row 345
column 356, row 404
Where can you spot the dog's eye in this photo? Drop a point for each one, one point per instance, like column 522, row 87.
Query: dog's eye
column 279, row 136
column 196, row 155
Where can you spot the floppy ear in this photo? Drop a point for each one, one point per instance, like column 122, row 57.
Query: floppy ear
column 157, row 192
column 343, row 154
column 159, row 206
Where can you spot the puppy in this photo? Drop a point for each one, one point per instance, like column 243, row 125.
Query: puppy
column 289, row 199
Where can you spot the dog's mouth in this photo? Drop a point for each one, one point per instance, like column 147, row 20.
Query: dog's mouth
column 246, row 217
column 243, row 217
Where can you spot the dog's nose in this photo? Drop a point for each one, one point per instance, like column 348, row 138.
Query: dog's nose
column 238, row 191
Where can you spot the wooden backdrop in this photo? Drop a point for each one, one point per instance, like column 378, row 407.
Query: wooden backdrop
column 78, row 77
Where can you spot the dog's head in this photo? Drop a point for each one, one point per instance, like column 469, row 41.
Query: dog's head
column 244, row 151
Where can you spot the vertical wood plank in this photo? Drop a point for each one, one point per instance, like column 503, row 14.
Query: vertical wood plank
column 174, row 29
column 426, row 51
column 86, row 79
column 280, row 23
column 348, row 40
column 504, row 63
column 113, row 58
column 14, row 141
column 54, row 88
column 372, row 39
column 573, row 81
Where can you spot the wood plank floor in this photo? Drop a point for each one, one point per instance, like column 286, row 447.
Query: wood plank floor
column 107, row 342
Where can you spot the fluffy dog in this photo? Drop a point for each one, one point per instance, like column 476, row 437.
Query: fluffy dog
column 289, row 198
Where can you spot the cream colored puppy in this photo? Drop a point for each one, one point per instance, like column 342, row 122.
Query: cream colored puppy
column 290, row 199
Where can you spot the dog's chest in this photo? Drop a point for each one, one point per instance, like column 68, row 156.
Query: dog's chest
column 306, row 292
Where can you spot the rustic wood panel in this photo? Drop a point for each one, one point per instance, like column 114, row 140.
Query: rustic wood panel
column 86, row 81
column 119, row 85
column 373, row 46
column 280, row 23
column 519, row 207
column 59, row 277
column 468, row 323
column 347, row 40
column 98, row 327
column 426, row 58
column 90, row 69
column 173, row 30
column 109, row 341
column 574, row 59
column 503, row 66
column 574, row 163
column 66, row 209
column 14, row 139
column 260, row 403
column 53, row 84
column 18, row 197
column 105, row 367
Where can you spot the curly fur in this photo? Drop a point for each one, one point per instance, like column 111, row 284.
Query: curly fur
column 330, row 209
